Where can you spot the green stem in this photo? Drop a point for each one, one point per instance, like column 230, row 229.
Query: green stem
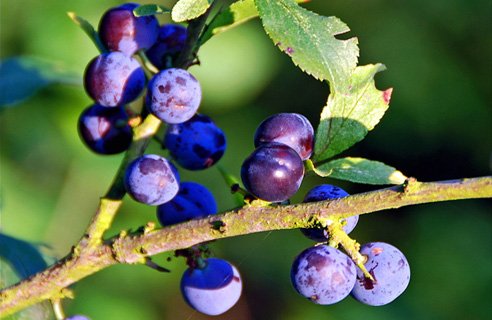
column 143, row 133
column 149, row 66
column 58, row 309
column 111, row 202
column 89, row 30
column 195, row 29
column 136, row 247
column 151, row 264
column 339, row 237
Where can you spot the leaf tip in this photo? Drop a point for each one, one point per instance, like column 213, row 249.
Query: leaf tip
column 387, row 95
column 72, row 15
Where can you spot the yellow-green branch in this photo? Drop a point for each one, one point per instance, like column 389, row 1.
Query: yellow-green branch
column 134, row 248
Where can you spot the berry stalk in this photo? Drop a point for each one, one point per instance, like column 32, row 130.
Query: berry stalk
column 352, row 247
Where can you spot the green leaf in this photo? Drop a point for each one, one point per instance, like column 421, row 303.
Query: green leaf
column 24, row 258
column 309, row 39
column 360, row 170
column 232, row 16
column 22, row 77
column 89, row 30
column 351, row 112
column 185, row 10
column 149, row 10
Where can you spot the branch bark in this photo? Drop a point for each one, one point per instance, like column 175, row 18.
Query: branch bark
column 136, row 247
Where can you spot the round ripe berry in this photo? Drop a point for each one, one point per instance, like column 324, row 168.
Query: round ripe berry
column 390, row 271
column 325, row 192
column 169, row 44
column 105, row 130
column 292, row 129
column 152, row 180
column 195, row 144
column 120, row 30
column 323, row 274
column 192, row 201
column 113, row 79
column 173, row 95
column 273, row 172
column 213, row 289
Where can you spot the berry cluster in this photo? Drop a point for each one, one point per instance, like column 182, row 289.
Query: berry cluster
column 325, row 275
column 113, row 80
column 273, row 172
column 275, row 169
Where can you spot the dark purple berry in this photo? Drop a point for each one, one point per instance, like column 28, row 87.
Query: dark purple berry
column 273, row 172
column 192, row 201
column 326, row 192
column 120, row 30
column 173, row 95
column 195, row 144
column 105, row 130
column 213, row 289
column 323, row 274
column 152, row 180
column 390, row 271
column 169, row 44
column 292, row 129
column 113, row 79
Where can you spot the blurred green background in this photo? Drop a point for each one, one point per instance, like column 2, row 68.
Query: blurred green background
column 439, row 126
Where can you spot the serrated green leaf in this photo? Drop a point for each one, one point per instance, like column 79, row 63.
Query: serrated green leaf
column 24, row 258
column 89, row 30
column 185, row 10
column 22, row 77
column 360, row 170
column 350, row 113
column 149, row 10
column 309, row 39
column 236, row 14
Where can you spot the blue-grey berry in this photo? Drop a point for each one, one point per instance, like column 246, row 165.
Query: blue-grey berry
column 323, row 274
column 213, row 289
column 390, row 271
column 114, row 79
column 192, row 201
column 173, row 95
column 196, row 144
column 152, row 180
